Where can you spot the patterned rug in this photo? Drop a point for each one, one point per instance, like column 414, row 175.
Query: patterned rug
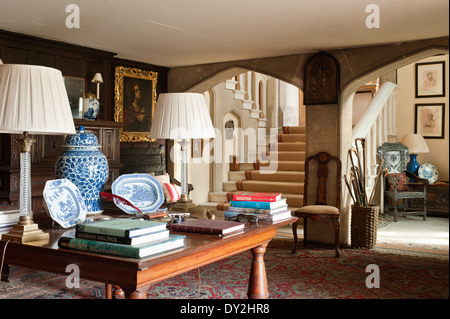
column 312, row 273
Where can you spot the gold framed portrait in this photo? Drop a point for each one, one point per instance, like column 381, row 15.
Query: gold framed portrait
column 134, row 102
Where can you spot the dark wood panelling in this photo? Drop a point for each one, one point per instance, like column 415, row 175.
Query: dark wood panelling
column 75, row 61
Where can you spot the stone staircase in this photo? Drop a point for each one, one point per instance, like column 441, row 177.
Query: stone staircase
column 285, row 160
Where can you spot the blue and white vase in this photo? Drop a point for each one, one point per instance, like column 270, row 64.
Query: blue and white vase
column 91, row 106
column 84, row 165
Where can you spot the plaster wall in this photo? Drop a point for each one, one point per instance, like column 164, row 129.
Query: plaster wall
column 357, row 66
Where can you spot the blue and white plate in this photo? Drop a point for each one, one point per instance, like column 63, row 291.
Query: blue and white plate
column 142, row 190
column 64, row 202
column 429, row 172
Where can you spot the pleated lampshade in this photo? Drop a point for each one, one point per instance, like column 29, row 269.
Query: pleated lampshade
column 34, row 99
column 181, row 116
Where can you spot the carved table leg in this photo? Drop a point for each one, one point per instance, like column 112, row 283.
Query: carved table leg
column 109, row 291
column 257, row 287
column 118, row 292
column 139, row 293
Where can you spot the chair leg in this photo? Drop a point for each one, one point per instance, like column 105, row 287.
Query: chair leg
column 395, row 211
column 337, row 226
column 305, row 230
column 294, row 232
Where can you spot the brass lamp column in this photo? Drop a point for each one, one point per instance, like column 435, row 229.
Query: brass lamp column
column 26, row 230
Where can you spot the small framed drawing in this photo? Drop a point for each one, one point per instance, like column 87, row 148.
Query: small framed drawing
column 430, row 79
column 134, row 102
column 430, row 119
column 75, row 92
column 197, row 147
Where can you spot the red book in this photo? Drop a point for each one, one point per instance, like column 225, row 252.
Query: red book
column 257, row 197
column 208, row 226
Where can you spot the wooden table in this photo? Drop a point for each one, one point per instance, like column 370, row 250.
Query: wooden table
column 134, row 276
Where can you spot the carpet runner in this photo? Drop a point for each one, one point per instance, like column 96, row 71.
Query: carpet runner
column 312, row 273
column 286, row 161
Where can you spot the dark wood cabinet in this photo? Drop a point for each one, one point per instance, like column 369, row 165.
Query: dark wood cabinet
column 43, row 157
column 437, row 199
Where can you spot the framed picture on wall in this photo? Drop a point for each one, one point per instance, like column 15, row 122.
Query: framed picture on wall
column 430, row 79
column 75, row 92
column 134, row 102
column 430, row 119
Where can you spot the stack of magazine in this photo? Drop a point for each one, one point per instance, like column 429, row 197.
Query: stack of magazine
column 266, row 206
column 123, row 237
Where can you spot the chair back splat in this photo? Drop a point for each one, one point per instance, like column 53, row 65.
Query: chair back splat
column 323, row 160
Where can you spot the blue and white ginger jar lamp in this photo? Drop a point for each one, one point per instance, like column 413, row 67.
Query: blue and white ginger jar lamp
column 84, row 165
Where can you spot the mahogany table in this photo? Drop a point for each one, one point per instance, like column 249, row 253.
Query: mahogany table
column 134, row 276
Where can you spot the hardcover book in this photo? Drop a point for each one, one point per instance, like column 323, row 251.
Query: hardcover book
column 257, row 197
column 140, row 251
column 257, row 210
column 208, row 226
column 264, row 217
column 122, row 227
column 133, row 241
column 259, row 205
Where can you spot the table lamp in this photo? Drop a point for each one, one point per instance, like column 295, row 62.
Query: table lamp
column 97, row 79
column 416, row 145
column 182, row 116
column 33, row 100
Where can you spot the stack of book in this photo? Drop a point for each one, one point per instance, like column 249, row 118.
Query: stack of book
column 266, row 206
column 9, row 217
column 123, row 237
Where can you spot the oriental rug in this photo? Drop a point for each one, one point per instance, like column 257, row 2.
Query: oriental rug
column 312, row 273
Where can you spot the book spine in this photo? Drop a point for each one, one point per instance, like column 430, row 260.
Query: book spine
column 98, row 247
column 103, row 238
column 230, row 214
column 195, row 229
column 256, row 198
column 255, row 210
column 101, row 230
column 250, row 204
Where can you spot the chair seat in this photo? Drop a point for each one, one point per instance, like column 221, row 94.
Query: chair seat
column 318, row 209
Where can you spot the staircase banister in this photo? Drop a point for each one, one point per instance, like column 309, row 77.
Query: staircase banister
column 363, row 126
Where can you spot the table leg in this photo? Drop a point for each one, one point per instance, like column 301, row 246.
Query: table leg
column 138, row 293
column 257, row 286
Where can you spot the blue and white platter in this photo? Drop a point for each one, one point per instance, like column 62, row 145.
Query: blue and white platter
column 64, row 202
column 142, row 190
column 429, row 172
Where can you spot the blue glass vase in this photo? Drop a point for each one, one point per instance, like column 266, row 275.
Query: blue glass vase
column 84, row 165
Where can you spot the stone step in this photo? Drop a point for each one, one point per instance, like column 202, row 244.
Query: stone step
column 217, row 197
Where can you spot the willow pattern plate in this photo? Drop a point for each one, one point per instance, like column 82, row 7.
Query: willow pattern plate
column 429, row 172
column 141, row 190
column 64, row 202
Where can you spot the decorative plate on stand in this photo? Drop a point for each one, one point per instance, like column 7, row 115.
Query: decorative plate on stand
column 64, row 202
column 142, row 190
column 429, row 172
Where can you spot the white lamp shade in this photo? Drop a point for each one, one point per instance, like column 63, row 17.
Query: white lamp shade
column 181, row 116
column 416, row 143
column 97, row 78
column 34, row 99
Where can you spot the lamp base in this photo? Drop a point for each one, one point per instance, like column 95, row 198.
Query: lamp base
column 184, row 204
column 25, row 231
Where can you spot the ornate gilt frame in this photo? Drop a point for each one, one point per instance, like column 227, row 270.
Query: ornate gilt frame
column 120, row 73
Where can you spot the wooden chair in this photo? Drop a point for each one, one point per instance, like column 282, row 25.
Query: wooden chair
column 320, row 210
column 398, row 185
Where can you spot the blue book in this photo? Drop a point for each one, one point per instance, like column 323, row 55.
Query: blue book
column 259, row 205
column 139, row 251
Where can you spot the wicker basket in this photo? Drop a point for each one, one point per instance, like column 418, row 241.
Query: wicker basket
column 364, row 226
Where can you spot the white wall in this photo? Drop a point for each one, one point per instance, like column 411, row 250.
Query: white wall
column 405, row 99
